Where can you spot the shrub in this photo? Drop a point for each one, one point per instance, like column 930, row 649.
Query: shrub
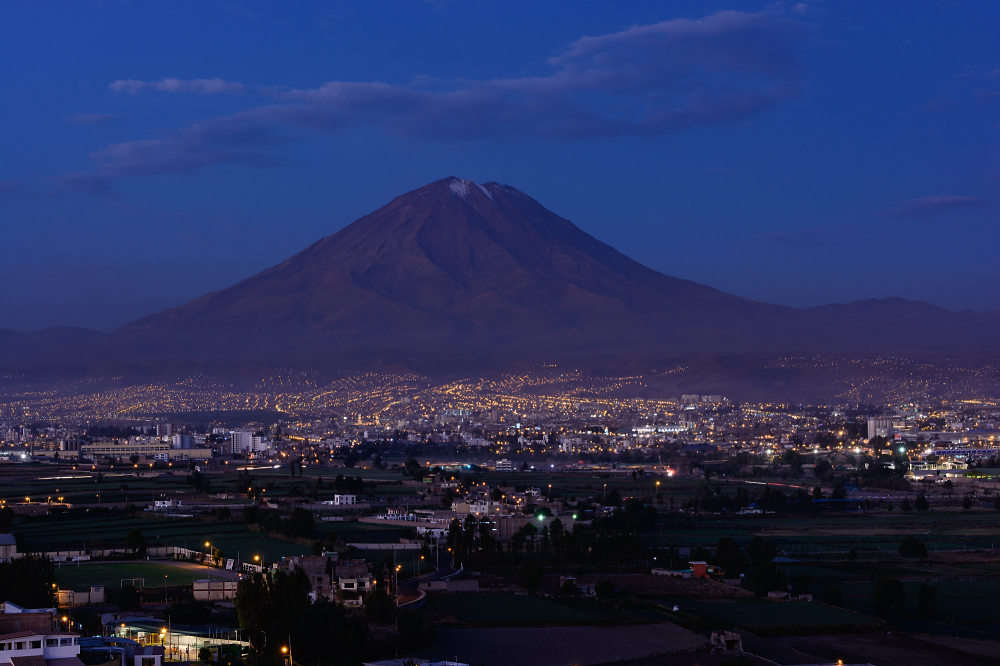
column 911, row 546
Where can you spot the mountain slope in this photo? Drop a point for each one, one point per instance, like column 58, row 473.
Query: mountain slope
column 455, row 272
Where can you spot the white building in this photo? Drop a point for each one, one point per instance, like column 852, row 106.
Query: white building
column 244, row 441
column 504, row 466
column 344, row 500
column 8, row 548
column 39, row 643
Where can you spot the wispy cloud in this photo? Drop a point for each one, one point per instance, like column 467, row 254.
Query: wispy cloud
column 646, row 80
column 225, row 140
column 84, row 183
column 204, row 86
column 936, row 205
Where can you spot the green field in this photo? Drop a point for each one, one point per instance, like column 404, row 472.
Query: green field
column 80, row 577
column 232, row 538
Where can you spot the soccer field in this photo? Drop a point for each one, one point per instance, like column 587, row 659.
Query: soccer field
column 69, row 576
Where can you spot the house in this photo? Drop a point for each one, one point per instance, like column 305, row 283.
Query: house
column 353, row 578
column 32, row 637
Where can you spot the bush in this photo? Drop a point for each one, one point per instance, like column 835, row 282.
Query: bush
column 911, row 546
column 605, row 590
column 888, row 592
column 769, row 578
column 927, row 598
column 921, row 503
column 831, row 594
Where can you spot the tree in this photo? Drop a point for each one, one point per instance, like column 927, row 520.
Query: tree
column 821, row 468
column 927, row 599
column 831, row 594
column 911, row 546
column 604, row 590
column 531, row 575
column 205, row 654
column 852, row 555
column 817, row 493
column 769, row 578
column 136, row 542
column 272, row 608
column 921, row 503
column 28, row 581
column 967, row 503
column 6, row 518
column 761, row 550
column 905, row 506
column 888, row 592
column 728, row 556
column 378, row 606
column 301, row 524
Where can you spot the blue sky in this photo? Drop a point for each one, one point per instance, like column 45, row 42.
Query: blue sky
column 795, row 153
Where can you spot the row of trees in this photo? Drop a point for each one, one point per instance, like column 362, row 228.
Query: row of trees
column 275, row 612
column 299, row 525
column 609, row 539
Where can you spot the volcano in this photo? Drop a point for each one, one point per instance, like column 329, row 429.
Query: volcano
column 459, row 276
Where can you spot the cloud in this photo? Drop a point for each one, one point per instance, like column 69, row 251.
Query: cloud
column 84, row 183
column 13, row 188
column 222, row 141
column 645, row 80
column 94, row 119
column 937, row 205
column 205, row 86
column 642, row 81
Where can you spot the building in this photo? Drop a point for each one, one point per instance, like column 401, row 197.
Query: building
column 8, row 548
column 140, row 446
column 245, row 442
column 214, row 589
column 32, row 637
column 183, row 441
column 345, row 500
column 504, row 466
column 164, row 429
column 879, row 427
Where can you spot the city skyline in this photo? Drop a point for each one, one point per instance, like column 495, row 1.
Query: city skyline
column 733, row 144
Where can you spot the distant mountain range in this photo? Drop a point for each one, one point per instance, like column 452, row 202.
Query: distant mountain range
column 460, row 277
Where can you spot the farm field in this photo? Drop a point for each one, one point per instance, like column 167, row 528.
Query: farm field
column 511, row 609
column 961, row 602
column 763, row 613
column 544, row 646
